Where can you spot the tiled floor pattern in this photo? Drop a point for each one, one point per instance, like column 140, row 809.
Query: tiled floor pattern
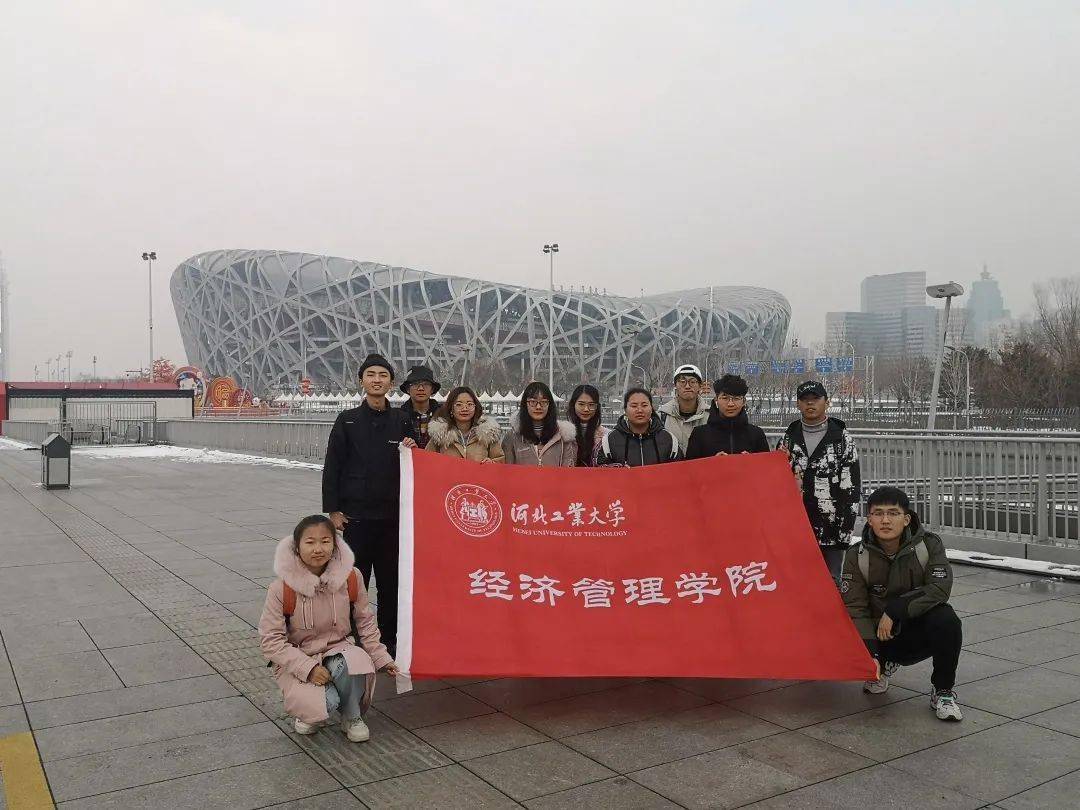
column 127, row 608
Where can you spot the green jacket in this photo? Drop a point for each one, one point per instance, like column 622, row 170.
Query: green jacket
column 902, row 587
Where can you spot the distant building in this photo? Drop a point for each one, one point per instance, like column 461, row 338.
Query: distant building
column 268, row 317
column 896, row 320
column 888, row 293
column 988, row 314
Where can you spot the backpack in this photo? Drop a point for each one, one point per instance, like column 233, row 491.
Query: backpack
column 922, row 554
column 288, row 596
column 288, row 605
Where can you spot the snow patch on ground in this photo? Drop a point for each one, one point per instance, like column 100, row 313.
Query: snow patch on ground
column 1049, row 569
column 12, row 444
column 191, row 455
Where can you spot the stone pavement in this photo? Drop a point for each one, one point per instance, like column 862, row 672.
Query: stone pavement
column 127, row 608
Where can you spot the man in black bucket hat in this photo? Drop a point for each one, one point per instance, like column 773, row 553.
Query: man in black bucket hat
column 421, row 387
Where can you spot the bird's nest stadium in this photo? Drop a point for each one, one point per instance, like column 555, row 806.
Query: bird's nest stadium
column 270, row 317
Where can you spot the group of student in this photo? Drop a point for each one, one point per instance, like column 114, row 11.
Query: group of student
column 325, row 643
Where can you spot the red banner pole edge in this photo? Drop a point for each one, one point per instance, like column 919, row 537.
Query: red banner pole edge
column 405, row 571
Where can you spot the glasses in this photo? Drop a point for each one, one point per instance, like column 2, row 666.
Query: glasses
column 730, row 398
column 461, row 406
column 895, row 514
column 420, row 386
column 537, row 403
column 687, row 382
column 585, row 406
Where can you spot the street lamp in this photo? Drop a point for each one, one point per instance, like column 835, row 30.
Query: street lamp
column 149, row 258
column 948, row 292
column 551, row 250
column 630, row 332
column 68, row 355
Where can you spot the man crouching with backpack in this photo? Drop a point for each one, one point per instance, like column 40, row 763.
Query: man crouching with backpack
column 319, row 632
column 896, row 585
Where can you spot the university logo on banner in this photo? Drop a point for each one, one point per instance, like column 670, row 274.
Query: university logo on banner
column 531, row 571
column 473, row 510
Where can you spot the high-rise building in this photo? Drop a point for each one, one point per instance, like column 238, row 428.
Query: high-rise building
column 987, row 308
column 896, row 320
column 893, row 291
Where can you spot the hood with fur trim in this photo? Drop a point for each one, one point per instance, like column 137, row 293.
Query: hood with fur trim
column 486, row 431
column 291, row 570
column 567, row 432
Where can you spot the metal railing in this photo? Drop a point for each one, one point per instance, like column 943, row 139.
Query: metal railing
column 85, row 432
column 23, row 431
column 1007, row 487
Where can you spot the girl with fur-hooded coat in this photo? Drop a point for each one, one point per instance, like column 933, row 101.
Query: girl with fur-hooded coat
column 318, row 629
column 482, row 443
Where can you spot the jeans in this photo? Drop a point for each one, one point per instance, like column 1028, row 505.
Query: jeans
column 834, row 560
column 345, row 692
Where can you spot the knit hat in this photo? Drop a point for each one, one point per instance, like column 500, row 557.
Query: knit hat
column 373, row 360
column 811, row 388
column 731, row 384
column 420, row 374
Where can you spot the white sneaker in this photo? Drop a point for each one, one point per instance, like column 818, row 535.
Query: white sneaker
column 356, row 730
column 945, row 706
column 881, row 685
column 300, row 727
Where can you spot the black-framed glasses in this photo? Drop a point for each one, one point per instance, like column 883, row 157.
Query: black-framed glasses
column 537, row 403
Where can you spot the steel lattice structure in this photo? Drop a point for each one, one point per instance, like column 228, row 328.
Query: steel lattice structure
column 266, row 317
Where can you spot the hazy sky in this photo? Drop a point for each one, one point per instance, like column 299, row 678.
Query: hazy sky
column 798, row 146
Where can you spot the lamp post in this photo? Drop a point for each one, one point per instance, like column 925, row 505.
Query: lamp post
column 631, row 332
column 68, row 355
column 149, row 258
column 551, row 250
column 948, row 292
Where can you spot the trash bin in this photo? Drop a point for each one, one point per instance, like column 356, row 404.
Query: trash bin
column 56, row 462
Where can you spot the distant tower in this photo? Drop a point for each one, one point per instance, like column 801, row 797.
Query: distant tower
column 5, row 325
column 986, row 307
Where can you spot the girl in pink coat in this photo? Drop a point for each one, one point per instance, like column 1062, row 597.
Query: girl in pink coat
column 317, row 662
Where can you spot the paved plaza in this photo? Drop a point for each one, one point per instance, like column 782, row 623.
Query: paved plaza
column 127, row 613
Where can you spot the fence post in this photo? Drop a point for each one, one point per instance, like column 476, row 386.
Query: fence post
column 1041, row 518
column 931, row 467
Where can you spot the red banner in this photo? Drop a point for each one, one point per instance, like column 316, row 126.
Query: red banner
column 529, row 571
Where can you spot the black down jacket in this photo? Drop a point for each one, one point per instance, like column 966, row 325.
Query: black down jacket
column 723, row 434
column 623, row 446
column 360, row 475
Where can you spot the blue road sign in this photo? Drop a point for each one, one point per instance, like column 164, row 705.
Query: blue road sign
column 824, row 365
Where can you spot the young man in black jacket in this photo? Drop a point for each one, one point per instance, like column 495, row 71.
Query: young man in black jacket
column 360, row 485
column 896, row 585
column 826, row 464
column 728, row 430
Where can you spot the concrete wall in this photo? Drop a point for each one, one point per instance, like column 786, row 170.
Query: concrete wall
column 303, row 441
